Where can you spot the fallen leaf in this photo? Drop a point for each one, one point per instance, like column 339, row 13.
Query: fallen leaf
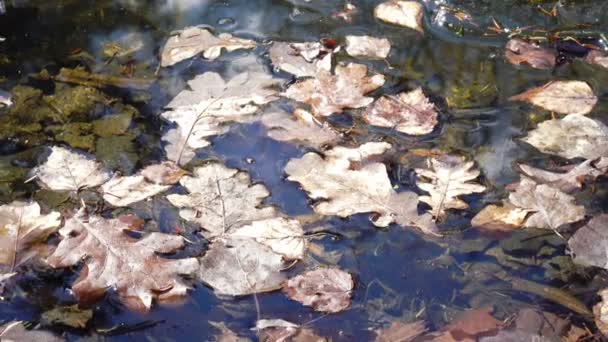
column 473, row 324
column 500, row 218
column 597, row 58
column 368, row 47
column 193, row 40
column 325, row 289
column 66, row 170
column 301, row 128
column 566, row 182
column 237, row 267
column 227, row 335
column 521, row 52
column 71, row 316
column 16, row 332
column 278, row 330
column 564, row 97
column 112, row 259
column 589, row 243
column 328, row 94
column 301, row 59
column 165, row 173
column 283, row 236
column 448, row 178
column 410, row 113
column 23, row 234
column 401, row 332
column 221, row 199
column 402, row 13
column 600, row 312
column 574, row 136
column 348, row 182
column 122, row 191
column 550, row 208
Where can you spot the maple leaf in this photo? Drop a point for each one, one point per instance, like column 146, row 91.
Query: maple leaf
column 564, row 97
column 301, row 59
column 448, row 178
column 328, row 94
column 193, row 40
column 112, row 259
column 325, row 289
column 402, row 13
column 301, row 128
column 521, row 52
column 368, row 47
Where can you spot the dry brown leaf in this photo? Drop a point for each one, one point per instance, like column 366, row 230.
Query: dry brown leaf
column 448, row 178
column 550, row 208
column 410, row 113
column 325, row 289
column 564, row 97
column 574, row 136
column 348, row 182
column 566, row 182
column 521, row 52
column 473, row 324
column 301, row 127
column 368, row 47
column 401, row 332
column 278, row 330
column 16, row 332
column 193, row 40
column 23, row 234
column 402, row 13
column 589, row 243
column 328, row 94
column 500, row 218
column 301, row 59
column 112, row 259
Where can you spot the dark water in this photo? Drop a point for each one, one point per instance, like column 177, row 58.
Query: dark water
column 399, row 274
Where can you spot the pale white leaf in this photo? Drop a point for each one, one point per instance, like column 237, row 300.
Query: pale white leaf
column 402, row 13
column 368, row 47
column 283, row 236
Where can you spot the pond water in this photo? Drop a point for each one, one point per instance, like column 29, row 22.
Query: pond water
column 400, row 274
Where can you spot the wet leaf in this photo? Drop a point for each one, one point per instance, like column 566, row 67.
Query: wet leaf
column 16, row 332
column 67, row 170
column 500, row 218
column 448, row 178
column 521, row 52
column 165, row 173
column 283, row 236
column 325, row 289
column 564, row 97
column 410, row 113
column 368, row 47
column 473, row 324
column 402, row 13
column 71, row 316
column 275, row 330
column 112, row 259
column 23, row 234
column 550, row 208
column 328, row 94
column 193, row 40
column 227, row 335
column 600, row 312
column 349, row 182
column 567, row 182
column 301, row 59
column 401, row 332
column 589, row 243
column 301, row 128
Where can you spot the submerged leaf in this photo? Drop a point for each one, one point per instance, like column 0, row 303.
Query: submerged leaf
column 521, row 52
column 301, row 59
column 402, row 13
column 325, row 289
column 473, row 324
column 301, row 127
column 16, row 332
column 71, row 316
column 564, row 97
column 367, row 47
column 402, row 332
column 500, row 218
column 590, row 243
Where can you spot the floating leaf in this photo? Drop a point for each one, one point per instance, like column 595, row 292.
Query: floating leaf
column 301, row 127
column 500, row 218
column 325, row 289
column 521, row 52
column 402, row 13
column 301, row 59
column 448, row 178
column 16, row 332
column 280, row 330
column 112, row 259
column 566, row 182
column 193, row 40
column 409, row 113
column 368, row 47
column 328, row 94
column 589, row 243
column 165, row 173
column 402, row 332
column 564, row 97
column 283, row 236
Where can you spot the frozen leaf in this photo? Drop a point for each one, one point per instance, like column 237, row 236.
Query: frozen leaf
column 589, row 243
column 367, row 47
column 448, row 178
column 402, row 332
column 210, row 103
column 328, row 94
column 500, row 218
column 521, row 52
column 402, row 13
column 574, row 136
column 66, row 170
column 278, row 330
column 283, row 236
column 193, row 40
column 23, row 234
column 325, row 289
column 473, row 324
column 410, row 113
column 113, row 259
column 301, row 59
column 549, row 207
column 348, row 182
column 566, row 182
column 71, row 316
column 237, row 267
column 564, row 97
column 16, row 332
column 301, row 127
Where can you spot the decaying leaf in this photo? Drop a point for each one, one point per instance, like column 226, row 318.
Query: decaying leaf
column 348, row 182
column 23, row 233
column 589, row 243
column 328, row 94
column 401, row 332
column 473, row 324
column 210, row 103
column 301, row 127
column 550, row 208
column 402, row 13
column 410, row 113
column 193, row 40
column 301, row 59
column 237, row 267
column 71, row 316
column 448, row 178
column 521, row 52
column 574, row 136
column 283, row 236
column 325, row 289
column 66, row 170
column 500, row 218
column 113, row 259
column 566, row 182
column 564, row 97
column 221, row 199
column 368, row 47
column 16, row 332
column 600, row 312
column 278, row 330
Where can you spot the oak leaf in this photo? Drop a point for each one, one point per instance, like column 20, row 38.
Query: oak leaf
column 301, row 128
column 301, row 59
column 402, row 13
column 521, row 52
column 368, row 47
column 564, row 97
column 325, row 289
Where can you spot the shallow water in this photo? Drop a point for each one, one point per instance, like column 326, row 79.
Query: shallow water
column 399, row 273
